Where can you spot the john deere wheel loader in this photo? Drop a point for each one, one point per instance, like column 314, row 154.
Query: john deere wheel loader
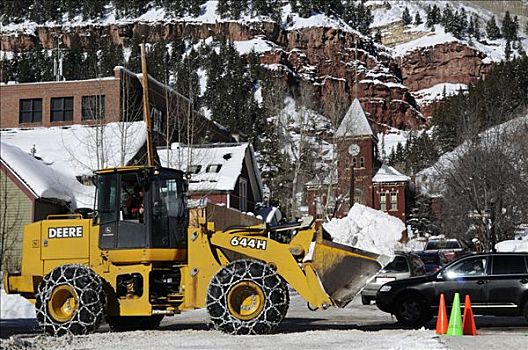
column 134, row 271
column 134, row 267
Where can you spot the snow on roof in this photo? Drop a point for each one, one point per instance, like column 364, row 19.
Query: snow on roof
column 44, row 180
column 388, row 174
column 73, row 149
column 368, row 229
column 355, row 122
column 213, row 167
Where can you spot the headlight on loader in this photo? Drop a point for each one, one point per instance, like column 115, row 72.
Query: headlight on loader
column 385, row 288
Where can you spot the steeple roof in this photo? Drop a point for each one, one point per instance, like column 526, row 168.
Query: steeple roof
column 355, row 122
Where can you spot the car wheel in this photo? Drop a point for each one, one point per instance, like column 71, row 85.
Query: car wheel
column 525, row 310
column 365, row 300
column 412, row 311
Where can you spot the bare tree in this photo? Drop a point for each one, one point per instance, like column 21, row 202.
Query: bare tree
column 483, row 182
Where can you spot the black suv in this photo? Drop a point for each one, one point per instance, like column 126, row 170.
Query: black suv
column 497, row 284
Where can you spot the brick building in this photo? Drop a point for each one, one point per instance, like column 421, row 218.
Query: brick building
column 360, row 177
column 103, row 100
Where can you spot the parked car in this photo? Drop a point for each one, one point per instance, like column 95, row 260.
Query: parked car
column 433, row 261
column 452, row 248
column 497, row 284
column 404, row 265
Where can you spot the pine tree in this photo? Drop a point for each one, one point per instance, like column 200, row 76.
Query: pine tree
column 406, row 16
column 507, row 51
column 492, row 31
column 134, row 60
column 448, row 18
column 222, row 8
column 377, row 36
column 111, row 56
column 476, row 25
column 6, row 69
column 509, row 27
column 73, row 59
column 25, row 68
column 417, row 19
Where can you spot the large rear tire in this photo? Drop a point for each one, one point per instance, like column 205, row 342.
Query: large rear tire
column 70, row 300
column 133, row 323
column 247, row 297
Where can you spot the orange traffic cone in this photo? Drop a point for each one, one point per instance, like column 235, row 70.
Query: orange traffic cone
column 441, row 321
column 468, row 321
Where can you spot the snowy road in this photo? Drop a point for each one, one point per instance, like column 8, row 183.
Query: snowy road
column 357, row 326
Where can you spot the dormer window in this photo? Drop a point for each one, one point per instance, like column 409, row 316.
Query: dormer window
column 213, row 168
column 195, row 169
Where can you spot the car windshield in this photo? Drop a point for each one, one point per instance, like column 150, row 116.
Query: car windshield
column 442, row 244
column 430, row 259
column 399, row 264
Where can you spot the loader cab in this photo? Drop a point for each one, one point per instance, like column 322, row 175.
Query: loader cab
column 141, row 207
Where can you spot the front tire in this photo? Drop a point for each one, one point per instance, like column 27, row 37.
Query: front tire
column 247, row 297
column 412, row 311
column 525, row 310
column 70, row 300
column 365, row 300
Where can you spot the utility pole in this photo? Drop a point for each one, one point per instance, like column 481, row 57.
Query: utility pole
column 57, row 61
column 146, row 108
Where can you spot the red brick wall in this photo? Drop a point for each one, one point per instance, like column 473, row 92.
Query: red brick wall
column 362, row 172
column 386, row 189
column 10, row 96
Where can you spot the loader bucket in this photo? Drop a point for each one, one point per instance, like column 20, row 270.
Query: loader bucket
column 344, row 270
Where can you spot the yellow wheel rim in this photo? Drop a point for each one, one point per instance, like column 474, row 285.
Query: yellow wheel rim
column 245, row 300
column 63, row 303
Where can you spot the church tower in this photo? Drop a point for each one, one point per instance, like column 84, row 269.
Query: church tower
column 357, row 154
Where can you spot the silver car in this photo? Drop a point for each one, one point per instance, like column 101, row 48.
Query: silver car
column 404, row 265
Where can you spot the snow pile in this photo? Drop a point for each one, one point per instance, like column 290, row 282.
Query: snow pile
column 367, row 229
column 15, row 306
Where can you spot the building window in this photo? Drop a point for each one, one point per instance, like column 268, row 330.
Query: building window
column 354, row 162
column 383, row 201
column 242, row 190
column 61, row 109
column 30, row 111
column 195, row 169
column 362, row 162
column 213, row 168
column 394, row 200
column 93, row 107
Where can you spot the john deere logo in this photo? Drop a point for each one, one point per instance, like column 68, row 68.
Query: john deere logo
column 65, row 232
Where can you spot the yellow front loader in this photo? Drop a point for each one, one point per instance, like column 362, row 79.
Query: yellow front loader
column 134, row 268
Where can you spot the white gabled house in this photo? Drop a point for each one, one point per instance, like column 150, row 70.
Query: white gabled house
column 221, row 173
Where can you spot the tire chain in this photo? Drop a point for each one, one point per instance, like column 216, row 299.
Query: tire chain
column 275, row 292
column 91, row 300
